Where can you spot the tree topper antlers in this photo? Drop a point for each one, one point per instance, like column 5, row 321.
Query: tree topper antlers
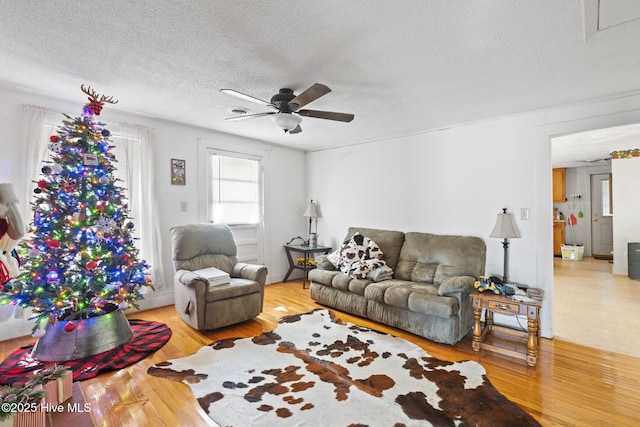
column 96, row 101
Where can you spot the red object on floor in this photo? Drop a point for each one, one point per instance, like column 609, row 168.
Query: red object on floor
column 147, row 338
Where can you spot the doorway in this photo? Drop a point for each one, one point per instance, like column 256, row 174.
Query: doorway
column 601, row 216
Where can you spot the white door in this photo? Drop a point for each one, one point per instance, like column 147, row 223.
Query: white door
column 235, row 199
column 601, row 216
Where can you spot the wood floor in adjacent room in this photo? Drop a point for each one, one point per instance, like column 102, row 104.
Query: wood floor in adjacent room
column 593, row 307
column 572, row 385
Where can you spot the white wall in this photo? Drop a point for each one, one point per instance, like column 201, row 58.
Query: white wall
column 283, row 170
column 626, row 210
column 455, row 181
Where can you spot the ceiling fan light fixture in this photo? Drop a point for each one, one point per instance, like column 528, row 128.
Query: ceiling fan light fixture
column 287, row 121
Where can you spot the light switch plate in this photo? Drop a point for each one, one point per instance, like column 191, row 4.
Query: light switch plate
column 525, row 214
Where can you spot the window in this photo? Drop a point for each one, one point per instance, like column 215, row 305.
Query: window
column 234, row 196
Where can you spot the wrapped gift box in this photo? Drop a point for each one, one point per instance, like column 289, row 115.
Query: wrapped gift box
column 65, row 386
column 34, row 418
column 59, row 390
column 30, row 419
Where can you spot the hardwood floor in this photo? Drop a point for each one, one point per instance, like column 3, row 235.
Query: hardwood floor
column 593, row 307
column 572, row 385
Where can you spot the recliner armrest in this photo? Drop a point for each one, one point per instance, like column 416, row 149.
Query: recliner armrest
column 250, row 272
column 457, row 284
column 188, row 278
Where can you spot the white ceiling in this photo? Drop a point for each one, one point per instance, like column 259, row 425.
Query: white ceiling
column 402, row 67
column 593, row 147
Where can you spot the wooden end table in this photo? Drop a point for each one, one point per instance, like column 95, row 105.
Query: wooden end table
column 501, row 304
column 307, row 252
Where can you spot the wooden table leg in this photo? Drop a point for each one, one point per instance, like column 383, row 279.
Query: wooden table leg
column 477, row 328
column 291, row 265
column 532, row 341
column 306, row 271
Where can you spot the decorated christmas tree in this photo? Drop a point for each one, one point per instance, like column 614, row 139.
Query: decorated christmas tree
column 81, row 260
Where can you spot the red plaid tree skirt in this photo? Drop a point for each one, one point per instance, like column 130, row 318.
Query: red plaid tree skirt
column 147, row 338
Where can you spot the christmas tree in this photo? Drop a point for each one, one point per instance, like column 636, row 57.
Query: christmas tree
column 81, row 260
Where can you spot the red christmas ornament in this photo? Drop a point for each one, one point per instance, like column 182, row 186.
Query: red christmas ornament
column 69, row 327
column 43, row 184
column 91, row 265
column 99, row 208
column 53, row 243
column 126, row 257
column 53, row 138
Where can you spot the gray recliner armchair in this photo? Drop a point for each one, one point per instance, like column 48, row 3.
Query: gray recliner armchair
column 201, row 305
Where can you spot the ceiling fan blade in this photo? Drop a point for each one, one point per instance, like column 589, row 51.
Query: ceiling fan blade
column 297, row 129
column 329, row 115
column 246, row 97
column 249, row 116
column 311, row 94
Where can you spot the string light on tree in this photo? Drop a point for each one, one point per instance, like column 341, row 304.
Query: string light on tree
column 81, row 260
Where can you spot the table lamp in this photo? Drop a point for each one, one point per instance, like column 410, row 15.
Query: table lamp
column 505, row 229
column 312, row 212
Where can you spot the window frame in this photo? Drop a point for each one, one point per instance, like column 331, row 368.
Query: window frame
column 209, row 215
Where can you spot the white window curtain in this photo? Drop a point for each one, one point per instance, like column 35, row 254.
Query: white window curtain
column 37, row 125
column 137, row 144
column 133, row 142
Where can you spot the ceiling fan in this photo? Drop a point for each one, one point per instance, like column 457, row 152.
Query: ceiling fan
column 287, row 106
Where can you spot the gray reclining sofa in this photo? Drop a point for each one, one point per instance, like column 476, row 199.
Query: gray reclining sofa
column 429, row 292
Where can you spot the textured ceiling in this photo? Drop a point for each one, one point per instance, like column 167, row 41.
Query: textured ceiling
column 401, row 67
column 593, row 147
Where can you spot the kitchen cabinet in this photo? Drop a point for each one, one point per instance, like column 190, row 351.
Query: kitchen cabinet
column 559, row 187
column 558, row 237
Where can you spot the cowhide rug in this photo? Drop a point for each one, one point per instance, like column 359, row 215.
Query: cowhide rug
column 317, row 370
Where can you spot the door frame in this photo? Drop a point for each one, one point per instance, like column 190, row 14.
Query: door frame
column 590, row 228
column 554, row 125
column 583, row 181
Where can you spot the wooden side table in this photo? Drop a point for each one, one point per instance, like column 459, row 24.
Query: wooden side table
column 501, row 304
column 307, row 252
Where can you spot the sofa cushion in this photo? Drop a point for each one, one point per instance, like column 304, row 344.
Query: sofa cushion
column 390, row 242
column 418, row 297
column 358, row 286
column 323, row 262
column 341, row 281
column 431, row 258
column 323, row 276
column 427, row 302
column 235, row 288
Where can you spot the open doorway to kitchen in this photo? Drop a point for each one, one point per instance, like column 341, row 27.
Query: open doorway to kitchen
column 587, row 291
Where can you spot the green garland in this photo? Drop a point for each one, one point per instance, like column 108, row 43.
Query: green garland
column 625, row 154
column 50, row 373
column 17, row 394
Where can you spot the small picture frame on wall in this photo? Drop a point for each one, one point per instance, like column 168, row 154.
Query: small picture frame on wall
column 178, row 173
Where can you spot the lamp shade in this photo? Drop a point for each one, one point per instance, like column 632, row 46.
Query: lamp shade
column 287, row 121
column 311, row 211
column 505, row 227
